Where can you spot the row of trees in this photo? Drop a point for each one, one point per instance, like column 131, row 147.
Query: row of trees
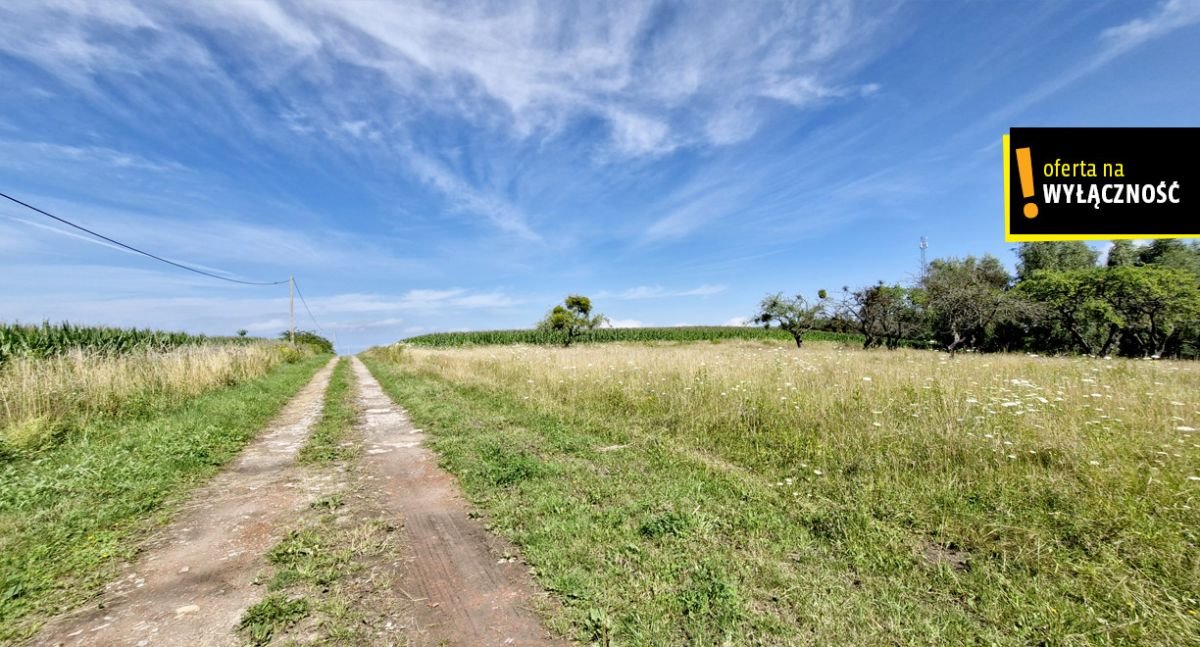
column 1143, row 302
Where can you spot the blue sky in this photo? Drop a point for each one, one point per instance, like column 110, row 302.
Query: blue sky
column 448, row 166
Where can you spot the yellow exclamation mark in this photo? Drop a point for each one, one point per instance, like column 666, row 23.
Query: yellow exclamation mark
column 1025, row 170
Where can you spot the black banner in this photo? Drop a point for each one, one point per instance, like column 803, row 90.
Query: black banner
column 1102, row 183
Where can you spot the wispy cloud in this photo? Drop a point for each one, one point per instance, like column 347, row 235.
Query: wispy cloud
column 1168, row 17
column 208, row 241
column 659, row 292
column 659, row 75
column 1114, row 42
column 463, row 197
column 21, row 153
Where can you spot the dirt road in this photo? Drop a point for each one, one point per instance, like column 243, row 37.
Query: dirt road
column 195, row 578
column 465, row 592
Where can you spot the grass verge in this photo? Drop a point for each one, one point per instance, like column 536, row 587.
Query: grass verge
column 759, row 496
column 67, row 518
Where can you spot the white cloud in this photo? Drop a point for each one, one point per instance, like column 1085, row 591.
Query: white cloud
column 463, row 197
column 178, row 302
column 429, row 296
column 1169, row 16
column 635, row 134
column 737, row 321
column 424, row 301
column 659, row 292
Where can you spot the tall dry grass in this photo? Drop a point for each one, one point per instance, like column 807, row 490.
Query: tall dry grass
column 830, row 400
column 45, row 399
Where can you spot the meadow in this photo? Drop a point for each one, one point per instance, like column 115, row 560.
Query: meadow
column 753, row 493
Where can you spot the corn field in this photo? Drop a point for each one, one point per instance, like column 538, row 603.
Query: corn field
column 600, row 335
column 50, row 340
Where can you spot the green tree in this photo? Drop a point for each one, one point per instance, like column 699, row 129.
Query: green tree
column 1059, row 256
column 1173, row 253
column 795, row 314
column 1076, row 303
column 309, row 338
column 571, row 318
column 883, row 314
column 1170, row 253
column 1123, row 253
column 966, row 297
column 1158, row 306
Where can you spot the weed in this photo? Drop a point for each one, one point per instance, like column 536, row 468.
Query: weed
column 667, row 524
column 273, row 614
column 330, row 502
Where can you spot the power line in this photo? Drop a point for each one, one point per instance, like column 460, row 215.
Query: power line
column 310, row 314
column 136, row 250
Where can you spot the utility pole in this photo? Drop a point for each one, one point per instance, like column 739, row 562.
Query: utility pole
column 292, row 308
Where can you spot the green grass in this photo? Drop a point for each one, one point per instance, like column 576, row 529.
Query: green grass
column 68, row 517
column 754, row 495
column 330, row 439
column 602, row 335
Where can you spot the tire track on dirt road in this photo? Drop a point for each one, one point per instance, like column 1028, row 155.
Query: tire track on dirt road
column 464, row 592
column 195, row 577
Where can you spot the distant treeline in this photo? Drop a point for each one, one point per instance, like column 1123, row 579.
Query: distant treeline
column 47, row 339
column 1143, row 301
column 599, row 335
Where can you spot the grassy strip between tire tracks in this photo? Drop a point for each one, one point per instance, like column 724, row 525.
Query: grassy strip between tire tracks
column 67, row 519
column 330, row 438
column 314, row 586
